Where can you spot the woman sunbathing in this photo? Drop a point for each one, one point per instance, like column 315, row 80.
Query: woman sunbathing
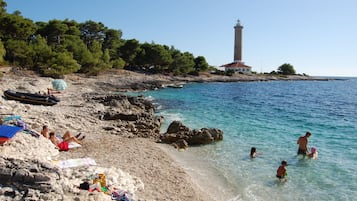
column 66, row 139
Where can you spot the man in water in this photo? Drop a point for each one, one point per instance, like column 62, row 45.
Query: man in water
column 302, row 142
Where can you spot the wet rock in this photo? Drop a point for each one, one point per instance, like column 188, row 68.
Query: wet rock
column 177, row 132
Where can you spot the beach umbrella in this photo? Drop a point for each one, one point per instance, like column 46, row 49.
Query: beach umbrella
column 59, row 84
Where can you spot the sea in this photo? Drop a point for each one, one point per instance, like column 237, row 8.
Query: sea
column 270, row 116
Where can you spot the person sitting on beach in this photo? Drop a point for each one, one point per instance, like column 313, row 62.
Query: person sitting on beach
column 281, row 171
column 51, row 91
column 314, row 154
column 45, row 131
column 66, row 139
column 253, row 152
column 302, row 142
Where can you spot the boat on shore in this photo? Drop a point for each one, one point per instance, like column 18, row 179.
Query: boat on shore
column 31, row 98
column 176, row 85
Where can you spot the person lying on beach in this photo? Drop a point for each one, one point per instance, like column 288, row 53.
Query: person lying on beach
column 281, row 171
column 66, row 139
column 45, row 131
column 51, row 91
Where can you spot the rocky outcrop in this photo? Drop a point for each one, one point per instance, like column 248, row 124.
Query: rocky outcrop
column 177, row 133
column 29, row 179
column 131, row 116
column 135, row 86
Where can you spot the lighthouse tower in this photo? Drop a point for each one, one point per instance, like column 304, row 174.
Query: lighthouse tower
column 238, row 42
column 238, row 65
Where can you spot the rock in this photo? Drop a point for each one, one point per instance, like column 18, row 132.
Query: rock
column 180, row 144
column 132, row 114
column 29, row 178
column 176, row 132
column 176, row 127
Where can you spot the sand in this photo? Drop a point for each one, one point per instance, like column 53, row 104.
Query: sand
column 137, row 165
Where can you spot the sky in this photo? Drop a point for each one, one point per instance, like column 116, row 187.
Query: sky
column 317, row 37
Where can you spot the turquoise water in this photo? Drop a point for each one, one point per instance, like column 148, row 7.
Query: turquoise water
column 271, row 116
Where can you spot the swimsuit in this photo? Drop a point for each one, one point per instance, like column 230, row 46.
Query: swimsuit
column 301, row 151
column 280, row 177
column 63, row 146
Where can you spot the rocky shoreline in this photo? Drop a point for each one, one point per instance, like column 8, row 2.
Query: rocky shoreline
column 121, row 135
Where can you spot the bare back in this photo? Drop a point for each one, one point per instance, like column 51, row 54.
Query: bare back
column 302, row 141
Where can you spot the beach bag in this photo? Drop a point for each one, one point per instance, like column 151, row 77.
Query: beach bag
column 84, row 186
column 101, row 179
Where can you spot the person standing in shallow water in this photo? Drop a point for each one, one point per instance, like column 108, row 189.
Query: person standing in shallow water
column 281, row 171
column 302, row 142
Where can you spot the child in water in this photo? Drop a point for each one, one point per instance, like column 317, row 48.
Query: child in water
column 313, row 154
column 253, row 152
column 281, row 171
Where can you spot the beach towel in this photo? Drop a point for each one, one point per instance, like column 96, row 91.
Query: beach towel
column 77, row 162
column 7, row 131
column 121, row 195
column 12, row 117
column 4, row 139
column 72, row 145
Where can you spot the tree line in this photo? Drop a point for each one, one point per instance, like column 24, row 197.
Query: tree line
column 59, row 47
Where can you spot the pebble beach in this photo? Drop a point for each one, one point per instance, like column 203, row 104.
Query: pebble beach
column 136, row 165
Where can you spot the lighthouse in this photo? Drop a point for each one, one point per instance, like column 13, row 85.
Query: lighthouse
column 238, row 65
column 238, row 28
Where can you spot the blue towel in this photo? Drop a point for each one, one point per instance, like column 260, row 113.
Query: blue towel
column 9, row 131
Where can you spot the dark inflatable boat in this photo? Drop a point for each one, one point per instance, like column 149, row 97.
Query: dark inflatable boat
column 31, row 98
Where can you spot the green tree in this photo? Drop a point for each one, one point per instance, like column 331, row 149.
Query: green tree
column 200, row 64
column 118, row 63
column 154, row 55
column 41, row 52
column 91, row 31
column 73, row 44
column 16, row 27
column 2, row 52
column 72, row 28
column 60, row 64
column 19, row 53
column 129, row 50
column 53, row 31
column 3, row 5
column 112, row 42
column 183, row 63
column 286, row 69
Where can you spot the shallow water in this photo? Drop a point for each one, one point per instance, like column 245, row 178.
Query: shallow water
column 270, row 116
